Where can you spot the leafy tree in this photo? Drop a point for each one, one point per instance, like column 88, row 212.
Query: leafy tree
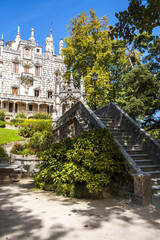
column 140, row 97
column 152, row 59
column 140, row 15
column 89, row 49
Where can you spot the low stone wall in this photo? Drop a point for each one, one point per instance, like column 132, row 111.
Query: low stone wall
column 25, row 165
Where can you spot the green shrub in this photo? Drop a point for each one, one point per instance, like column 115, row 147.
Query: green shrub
column 41, row 116
column 2, row 124
column 17, row 148
column 17, row 121
column 3, row 153
column 26, row 132
column 21, row 115
column 2, row 115
column 38, row 125
column 22, row 149
column 90, row 160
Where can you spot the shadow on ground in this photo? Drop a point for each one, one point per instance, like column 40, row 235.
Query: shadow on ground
column 16, row 220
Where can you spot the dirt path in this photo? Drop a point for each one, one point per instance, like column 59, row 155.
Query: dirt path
column 37, row 215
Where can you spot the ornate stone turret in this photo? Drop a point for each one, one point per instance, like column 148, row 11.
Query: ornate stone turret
column 60, row 46
column 18, row 38
column 49, row 44
column 32, row 39
column 2, row 41
column 71, row 83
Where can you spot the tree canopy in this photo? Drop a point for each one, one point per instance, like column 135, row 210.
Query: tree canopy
column 126, row 59
column 89, row 49
column 141, row 16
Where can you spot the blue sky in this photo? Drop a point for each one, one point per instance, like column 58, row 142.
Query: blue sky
column 39, row 14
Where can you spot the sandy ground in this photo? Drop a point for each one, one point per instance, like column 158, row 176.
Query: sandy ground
column 26, row 213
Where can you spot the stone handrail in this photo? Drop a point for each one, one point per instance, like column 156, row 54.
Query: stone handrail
column 148, row 144
column 91, row 117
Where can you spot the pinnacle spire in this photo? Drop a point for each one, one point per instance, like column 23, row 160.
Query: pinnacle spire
column 51, row 33
column 32, row 39
column 18, row 38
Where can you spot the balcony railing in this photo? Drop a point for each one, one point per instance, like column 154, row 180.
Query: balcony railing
column 26, row 76
column 24, row 98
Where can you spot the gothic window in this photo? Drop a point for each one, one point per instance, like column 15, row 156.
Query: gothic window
column 50, row 94
column 27, row 52
column 30, row 107
column 4, row 105
column 15, row 67
column 26, row 69
column 14, row 91
column 37, row 71
column 36, row 93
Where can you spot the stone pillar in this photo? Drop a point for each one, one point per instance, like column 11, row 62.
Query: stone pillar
column 26, row 109
column 54, row 117
column 49, row 109
column 142, row 189
column 38, row 107
column 14, row 107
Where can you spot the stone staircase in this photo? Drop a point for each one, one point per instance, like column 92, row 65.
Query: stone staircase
column 135, row 151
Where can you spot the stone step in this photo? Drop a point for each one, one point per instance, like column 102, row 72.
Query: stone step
column 154, row 174
column 113, row 128
column 126, row 142
column 144, row 162
column 125, row 137
column 110, row 121
column 156, row 189
column 118, row 133
column 139, row 156
column 148, row 168
column 155, row 181
column 105, row 117
column 132, row 147
column 20, row 170
column 135, row 152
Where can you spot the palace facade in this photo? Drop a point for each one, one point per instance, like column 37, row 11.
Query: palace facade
column 32, row 81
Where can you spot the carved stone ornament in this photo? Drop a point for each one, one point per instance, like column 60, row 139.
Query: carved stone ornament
column 16, row 60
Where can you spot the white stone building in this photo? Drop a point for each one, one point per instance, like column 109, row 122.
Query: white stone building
column 32, row 81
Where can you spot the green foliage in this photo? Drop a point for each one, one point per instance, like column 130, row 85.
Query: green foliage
column 38, row 125
column 139, row 97
column 2, row 124
column 38, row 142
column 41, row 141
column 41, row 116
column 155, row 133
column 17, row 121
column 26, row 132
column 139, row 16
column 90, row 160
column 21, row 115
column 22, row 149
column 89, row 50
column 2, row 115
column 3, row 153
